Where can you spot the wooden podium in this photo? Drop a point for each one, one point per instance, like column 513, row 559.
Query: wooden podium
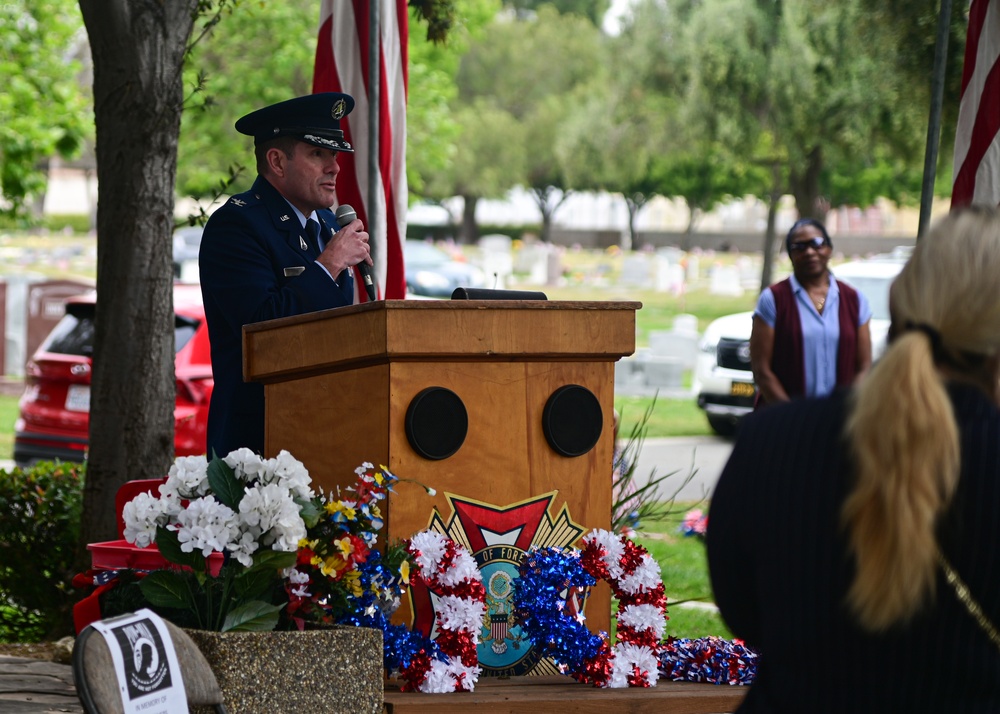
column 362, row 383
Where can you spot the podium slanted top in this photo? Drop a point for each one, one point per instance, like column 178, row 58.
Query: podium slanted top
column 418, row 330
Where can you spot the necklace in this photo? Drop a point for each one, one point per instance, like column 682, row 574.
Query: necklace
column 819, row 304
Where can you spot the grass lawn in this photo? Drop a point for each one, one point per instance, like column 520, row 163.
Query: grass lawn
column 685, row 576
column 8, row 414
column 669, row 417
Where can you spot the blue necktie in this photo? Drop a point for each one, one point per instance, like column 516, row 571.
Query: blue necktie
column 312, row 230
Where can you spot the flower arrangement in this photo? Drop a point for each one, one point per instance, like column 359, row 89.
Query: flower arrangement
column 540, row 601
column 695, row 523
column 231, row 526
column 294, row 559
column 338, row 570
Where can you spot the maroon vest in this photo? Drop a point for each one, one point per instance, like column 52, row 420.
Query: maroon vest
column 788, row 356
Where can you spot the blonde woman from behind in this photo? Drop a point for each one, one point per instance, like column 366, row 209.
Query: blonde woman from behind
column 855, row 539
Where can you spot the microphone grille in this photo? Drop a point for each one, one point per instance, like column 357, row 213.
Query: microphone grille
column 345, row 214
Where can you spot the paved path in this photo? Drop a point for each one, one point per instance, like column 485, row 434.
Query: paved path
column 34, row 686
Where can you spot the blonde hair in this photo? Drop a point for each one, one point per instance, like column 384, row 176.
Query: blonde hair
column 904, row 440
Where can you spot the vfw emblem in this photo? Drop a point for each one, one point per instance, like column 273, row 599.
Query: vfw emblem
column 498, row 537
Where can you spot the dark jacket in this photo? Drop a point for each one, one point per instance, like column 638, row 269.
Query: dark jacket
column 253, row 268
column 780, row 571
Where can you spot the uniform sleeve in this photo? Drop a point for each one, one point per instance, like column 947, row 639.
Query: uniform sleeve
column 247, row 272
column 765, row 309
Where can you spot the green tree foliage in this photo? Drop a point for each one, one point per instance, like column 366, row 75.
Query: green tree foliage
column 811, row 80
column 530, row 69
column 43, row 105
column 593, row 10
column 223, row 81
column 432, row 129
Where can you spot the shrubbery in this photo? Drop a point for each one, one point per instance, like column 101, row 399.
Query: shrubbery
column 39, row 529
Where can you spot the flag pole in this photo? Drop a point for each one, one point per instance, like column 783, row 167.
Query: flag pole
column 934, row 123
column 374, row 41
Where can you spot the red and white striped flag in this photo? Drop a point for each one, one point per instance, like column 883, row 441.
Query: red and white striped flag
column 342, row 66
column 977, row 138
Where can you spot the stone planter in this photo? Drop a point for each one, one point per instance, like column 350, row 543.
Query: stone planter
column 325, row 671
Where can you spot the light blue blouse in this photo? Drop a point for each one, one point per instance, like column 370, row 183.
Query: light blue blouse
column 820, row 333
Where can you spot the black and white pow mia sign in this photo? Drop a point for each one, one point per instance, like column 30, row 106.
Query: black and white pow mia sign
column 145, row 658
column 146, row 666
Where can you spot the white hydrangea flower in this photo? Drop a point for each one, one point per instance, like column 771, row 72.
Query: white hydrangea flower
column 206, row 525
column 142, row 515
column 364, row 467
column 271, row 512
column 244, row 546
column 247, row 465
column 187, row 478
column 293, row 474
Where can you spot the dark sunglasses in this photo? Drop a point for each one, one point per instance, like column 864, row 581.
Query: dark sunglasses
column 800, row 246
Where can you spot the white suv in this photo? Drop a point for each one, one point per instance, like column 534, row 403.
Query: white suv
column 722, row 377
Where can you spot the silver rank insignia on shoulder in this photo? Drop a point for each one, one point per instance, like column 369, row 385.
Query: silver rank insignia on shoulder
column 284, row 217
column 237, row 202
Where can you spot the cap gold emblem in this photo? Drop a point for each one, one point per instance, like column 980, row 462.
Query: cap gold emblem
column 339, row 109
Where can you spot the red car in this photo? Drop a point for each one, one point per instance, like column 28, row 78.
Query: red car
column 55, row 418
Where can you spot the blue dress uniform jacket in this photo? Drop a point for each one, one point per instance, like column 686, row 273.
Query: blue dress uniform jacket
column 256, row 264
column 781, row 568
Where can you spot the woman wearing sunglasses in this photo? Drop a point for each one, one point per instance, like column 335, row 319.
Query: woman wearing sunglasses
column 810, row 333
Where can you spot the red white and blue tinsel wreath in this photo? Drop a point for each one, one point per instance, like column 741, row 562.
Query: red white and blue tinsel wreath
column 449, row 663
column 546, row 577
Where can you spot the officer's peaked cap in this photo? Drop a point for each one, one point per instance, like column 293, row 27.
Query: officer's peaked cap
column 314, row 119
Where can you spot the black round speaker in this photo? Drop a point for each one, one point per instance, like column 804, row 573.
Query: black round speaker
column 436, row 423
column 572, row 420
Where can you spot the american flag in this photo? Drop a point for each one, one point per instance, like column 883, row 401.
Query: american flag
column 342, row 66
column 977, row 138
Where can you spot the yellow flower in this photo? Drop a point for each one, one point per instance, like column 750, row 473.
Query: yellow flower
column 345, row 545
column 341, row 511
column 351, row 580
column 332, row 565
column 404, row 571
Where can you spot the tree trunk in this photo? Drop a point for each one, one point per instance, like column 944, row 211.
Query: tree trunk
column 470, row 229
column 804, row 186
column 138, row 52
column 770, row 241
column 628, row 238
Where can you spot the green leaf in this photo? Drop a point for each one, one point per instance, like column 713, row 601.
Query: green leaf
column 273, row 559
column 254, row 616
column 170, row 548
column 309, row 510
column 226, row 487
column 254, row 582
column 166, row 588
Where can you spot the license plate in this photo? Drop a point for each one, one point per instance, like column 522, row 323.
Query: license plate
column 742, row 389
column 78, row 398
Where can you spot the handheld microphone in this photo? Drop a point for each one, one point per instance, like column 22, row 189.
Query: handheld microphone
column 345, row 216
